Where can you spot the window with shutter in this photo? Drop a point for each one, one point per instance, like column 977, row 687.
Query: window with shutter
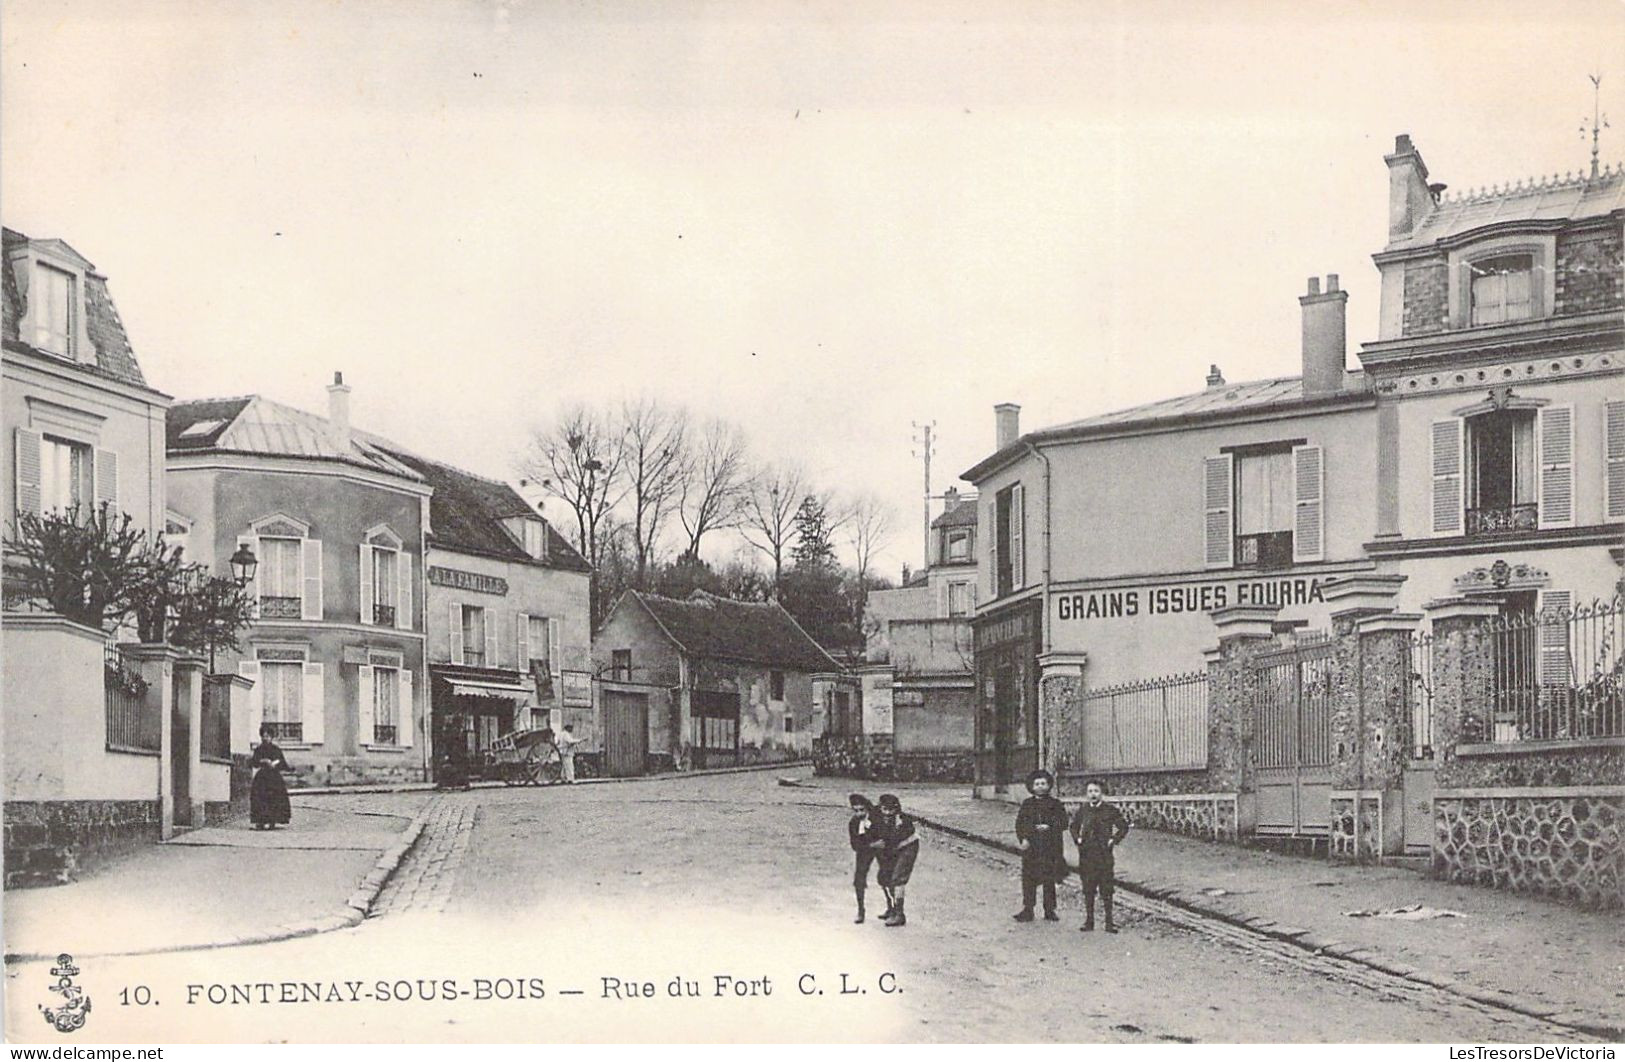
column 1218, row 523
column 1555, row 670
column 107, row 480
column 991, row 520
column 1308, row 528
column 250, row 669
column 366, row 690
column 368, row 584
column 1614, row 461
column 1556, row 440
column 454, row 631
column 408, row 710
column 1446, row 463
column 1018, row 537
column 403, row 592
column 27, row 481
column 312, row 563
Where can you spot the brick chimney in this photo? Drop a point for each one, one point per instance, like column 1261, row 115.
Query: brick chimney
column 338, row 413
column 1409, row 198
column 1006, row 424
column 1215, row 378
column 950, row 499
column 1325, row 334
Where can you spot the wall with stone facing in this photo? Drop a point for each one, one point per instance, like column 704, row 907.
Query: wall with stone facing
column 855, row 756
column 50, row 842
column 1139, row 783
column 1206, row 818
column 933, row 767
column 1558, row 842
column 1427, row 298
column 1589, row 277
column 1061, row 720
column 1553, row 766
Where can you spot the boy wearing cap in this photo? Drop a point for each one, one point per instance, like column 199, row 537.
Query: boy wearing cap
column 1098, row 828
column 1040, row 827
column 902, row 846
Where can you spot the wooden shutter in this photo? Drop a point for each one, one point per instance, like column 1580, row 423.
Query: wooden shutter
column 105, row 471
column 403, row 590
column 407, row 723
column 366, row 583
column 456, row 633
column 364, row 706
column 522, row 637
column 491, row 641
column 944, row 599
column 992, row 520
column 250, row 669
column 1554, row 434
column 313, row 705
column 1309, row 503
column 555, row 663
column 1018, row 537
column 1554, row 638
column 1447, row 479
column 1218, row 523
column 1614, row 461
column 27, row 482
column 252, row 588
column 310, row 560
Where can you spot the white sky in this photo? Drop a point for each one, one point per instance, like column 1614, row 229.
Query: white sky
column 480, row 210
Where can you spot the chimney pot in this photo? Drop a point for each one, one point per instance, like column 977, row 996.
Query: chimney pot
column 338, row 414
column 1331, row 282
column 1215, row 378
column 1314, row 285
column 1006, row 423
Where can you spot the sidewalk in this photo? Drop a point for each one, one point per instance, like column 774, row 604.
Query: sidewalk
column 217, row 886
column 1528, row 953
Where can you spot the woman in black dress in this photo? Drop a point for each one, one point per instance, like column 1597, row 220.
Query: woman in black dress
column 268, row 799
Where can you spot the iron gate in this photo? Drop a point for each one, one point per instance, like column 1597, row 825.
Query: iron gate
column 1292, row 712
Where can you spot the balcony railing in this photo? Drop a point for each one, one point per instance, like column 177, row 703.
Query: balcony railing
column 1271, row 549
column 280, row 607
column 383, row 615
column 384, row 734
column 1502, row 519
column 285, row 731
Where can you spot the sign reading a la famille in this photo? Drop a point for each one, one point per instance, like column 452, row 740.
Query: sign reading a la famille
column 458, row 579
column 1186, row 597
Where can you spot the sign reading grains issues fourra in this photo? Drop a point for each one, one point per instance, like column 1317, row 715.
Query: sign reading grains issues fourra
column 1130, row 602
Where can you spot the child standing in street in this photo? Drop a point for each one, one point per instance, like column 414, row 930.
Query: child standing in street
column 1098, row 828
column 862, row 831
column 902, row 846
column 1040, row 829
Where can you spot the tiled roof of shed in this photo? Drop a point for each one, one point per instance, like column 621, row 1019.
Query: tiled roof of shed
column 709, row 626
column 963, row 514
column 115, row 358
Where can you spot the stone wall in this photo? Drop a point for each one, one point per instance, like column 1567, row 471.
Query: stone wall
column 50, row 842
column 1555, row 841
column 854, row 756
column 1427, row 296
column 1589, row 278
column 1139, row 783
column 1208, row 817
column 939, row 766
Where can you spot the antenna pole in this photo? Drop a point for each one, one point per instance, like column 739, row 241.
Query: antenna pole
column 924, row 446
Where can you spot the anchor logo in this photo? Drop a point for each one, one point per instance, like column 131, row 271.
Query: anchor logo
column 70, row 1016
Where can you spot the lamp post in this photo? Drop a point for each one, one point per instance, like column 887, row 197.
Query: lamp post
column 243, row 565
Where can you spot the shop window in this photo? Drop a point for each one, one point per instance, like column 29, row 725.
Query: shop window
column 1501, row 472
column 1502, row 289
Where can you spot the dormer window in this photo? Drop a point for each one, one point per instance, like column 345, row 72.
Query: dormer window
column 535, row 540
column 1502, row 289
column 55, row 302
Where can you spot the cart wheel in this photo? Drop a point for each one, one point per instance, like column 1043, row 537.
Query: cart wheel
column 548, row 773
column 533, row 771
column 513, row 774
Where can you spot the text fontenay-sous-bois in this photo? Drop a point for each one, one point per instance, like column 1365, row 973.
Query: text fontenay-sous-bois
column 522, row 989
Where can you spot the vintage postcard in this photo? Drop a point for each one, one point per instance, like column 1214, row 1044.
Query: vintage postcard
column 810, row 522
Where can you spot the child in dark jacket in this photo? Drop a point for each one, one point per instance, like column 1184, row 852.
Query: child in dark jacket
column 1098, row 828
column 862, row 832
column 1040, row 830
column 902, row 846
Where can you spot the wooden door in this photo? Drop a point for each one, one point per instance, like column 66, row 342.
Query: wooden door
column 626, row 733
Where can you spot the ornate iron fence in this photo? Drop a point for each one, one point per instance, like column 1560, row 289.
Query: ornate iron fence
column 1154, row 723
column 1292, row 703
column 1554, row 675
column 1419, row 692
column 133, row 724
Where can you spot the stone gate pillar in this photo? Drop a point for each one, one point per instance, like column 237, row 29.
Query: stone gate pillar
column 1244, row 631
column 156, row 664
column 1060, row 711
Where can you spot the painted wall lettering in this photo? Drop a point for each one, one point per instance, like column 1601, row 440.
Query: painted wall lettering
column 1132, row 602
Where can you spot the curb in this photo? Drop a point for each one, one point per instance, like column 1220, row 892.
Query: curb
column 430, row 787
column 1580, row 1021
column 354, row 911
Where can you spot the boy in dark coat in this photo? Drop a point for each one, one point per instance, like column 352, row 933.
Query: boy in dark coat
column 863, row 834
column 1040, row 828
column 902, row 846
column 1098, row 828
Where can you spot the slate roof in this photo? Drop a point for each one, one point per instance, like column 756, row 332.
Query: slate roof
column 115, row 359
column 254, row 424
column 744, row 632
column 466, row 513
column 1556, row 198
column 963, row 514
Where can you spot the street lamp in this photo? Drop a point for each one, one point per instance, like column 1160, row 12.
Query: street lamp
column 243, row 565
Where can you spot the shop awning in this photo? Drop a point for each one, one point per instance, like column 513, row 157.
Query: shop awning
column 481, row 688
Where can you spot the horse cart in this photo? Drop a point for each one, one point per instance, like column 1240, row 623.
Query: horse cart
column 523, row 757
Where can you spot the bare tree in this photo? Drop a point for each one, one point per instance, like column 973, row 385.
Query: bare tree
column 716, row 484
column 769, row 523
column 870, row 520
column 656, row 464
column 580, row 459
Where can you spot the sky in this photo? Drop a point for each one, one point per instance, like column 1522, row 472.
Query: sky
column 826, row 222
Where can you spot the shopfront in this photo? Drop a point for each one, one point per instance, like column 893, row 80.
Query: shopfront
column 1007, row 646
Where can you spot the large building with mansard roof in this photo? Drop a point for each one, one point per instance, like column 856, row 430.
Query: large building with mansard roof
column 1477, row 449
